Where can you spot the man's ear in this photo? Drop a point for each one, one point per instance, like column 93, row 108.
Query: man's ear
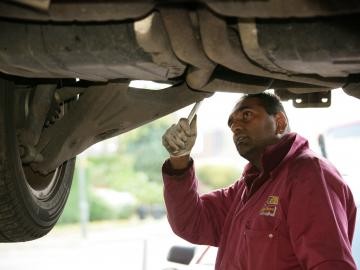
column 281, row 123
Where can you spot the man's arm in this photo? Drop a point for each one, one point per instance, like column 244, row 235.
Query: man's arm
column 318, row 217
column 180, row 163
column 198, row 219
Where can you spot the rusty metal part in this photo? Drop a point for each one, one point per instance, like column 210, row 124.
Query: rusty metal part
column 95, row 52
column 219, row 85
column 250, row 44
column 306, row 100
column 56, row 111
column 151, row 36
column 258, row 85
column 103, row 111
column 283, row 8
column 353, row 90
column 298, row 88
column 122, row 10
column 312, row 46
column 230, row 54
column 37, row 4
column 37, row 108
column 226, row 80
column 187, row 46
column 352, row 87
column 29, row 154
column 106, row 51
column 69, row 92
column 82, row 11
column 193, row 43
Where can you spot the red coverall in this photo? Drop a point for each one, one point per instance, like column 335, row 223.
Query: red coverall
column 295, row 214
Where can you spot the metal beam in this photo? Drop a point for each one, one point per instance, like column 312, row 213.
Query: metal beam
column 104, row 111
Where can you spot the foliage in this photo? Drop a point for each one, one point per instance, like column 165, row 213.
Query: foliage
column 102, row 210
column 134, row 168
column 112, row 172
column 218, row 176
column 71, row 210
column 145, row 147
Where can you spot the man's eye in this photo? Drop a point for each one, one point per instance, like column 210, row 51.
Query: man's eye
column 247, row 115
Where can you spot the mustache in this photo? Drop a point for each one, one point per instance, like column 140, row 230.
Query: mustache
column 240, row 138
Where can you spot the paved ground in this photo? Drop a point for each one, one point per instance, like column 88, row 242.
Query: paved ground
column 108, row 246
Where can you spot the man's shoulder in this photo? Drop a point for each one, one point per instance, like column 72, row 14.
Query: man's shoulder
column 307, row 157
column 309, row 165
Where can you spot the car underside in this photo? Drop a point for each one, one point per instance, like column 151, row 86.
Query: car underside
column 65, row 69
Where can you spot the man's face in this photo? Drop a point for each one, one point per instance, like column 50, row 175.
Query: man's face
column 252, row 127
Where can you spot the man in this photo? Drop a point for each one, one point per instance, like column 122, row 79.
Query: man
column 289, row 210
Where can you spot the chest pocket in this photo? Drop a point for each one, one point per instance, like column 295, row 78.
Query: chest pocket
column 261, row 242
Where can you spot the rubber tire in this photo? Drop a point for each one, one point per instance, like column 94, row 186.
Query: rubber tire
column 23, row 215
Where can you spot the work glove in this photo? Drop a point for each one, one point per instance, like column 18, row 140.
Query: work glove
column 179, row 139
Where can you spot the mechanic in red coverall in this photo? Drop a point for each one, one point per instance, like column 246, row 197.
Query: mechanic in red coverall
column 289, row 210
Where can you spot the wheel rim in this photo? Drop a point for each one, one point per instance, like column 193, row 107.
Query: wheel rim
column 42, row 186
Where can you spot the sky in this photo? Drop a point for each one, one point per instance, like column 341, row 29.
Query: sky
column 309, row 122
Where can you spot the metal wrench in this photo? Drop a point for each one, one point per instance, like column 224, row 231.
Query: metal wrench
column 192, row 114
column 193, row 111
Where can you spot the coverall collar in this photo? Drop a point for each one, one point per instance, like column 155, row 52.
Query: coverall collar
column 273, row 155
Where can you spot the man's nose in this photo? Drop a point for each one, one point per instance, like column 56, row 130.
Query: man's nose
column 236, row 127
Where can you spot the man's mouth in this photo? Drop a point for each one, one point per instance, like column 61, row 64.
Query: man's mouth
column 241, row 139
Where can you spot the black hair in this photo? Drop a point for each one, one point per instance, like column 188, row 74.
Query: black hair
column 270, row 102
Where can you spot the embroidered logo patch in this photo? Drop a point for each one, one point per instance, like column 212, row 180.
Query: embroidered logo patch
column 269, row 208
column 273, row 200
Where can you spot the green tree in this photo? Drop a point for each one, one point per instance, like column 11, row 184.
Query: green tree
column 118, row 172
column 145, row 147
column 134, row 168
column 218, row 176
column 71, row 210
